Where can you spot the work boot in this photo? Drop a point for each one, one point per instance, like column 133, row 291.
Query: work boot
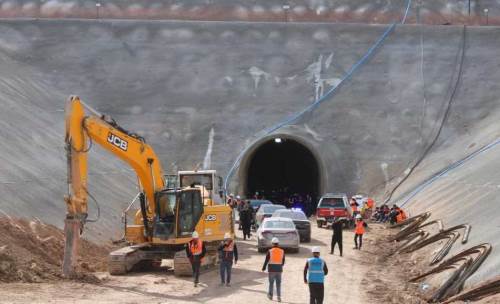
column 228, row 284
column 221, row 284
column 270, row 297
column 195, row 284
column 355, row 247
column 279, row 299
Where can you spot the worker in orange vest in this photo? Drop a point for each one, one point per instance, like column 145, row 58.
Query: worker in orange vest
column 275, row 259
column 227, row 253
column 359, row 231
column 195, row 251
column 401, row 215
column 354, row 206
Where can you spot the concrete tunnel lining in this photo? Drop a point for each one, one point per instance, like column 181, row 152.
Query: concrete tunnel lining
column 243, row 171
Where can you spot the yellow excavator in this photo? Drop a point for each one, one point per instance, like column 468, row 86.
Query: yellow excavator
column 167, row 215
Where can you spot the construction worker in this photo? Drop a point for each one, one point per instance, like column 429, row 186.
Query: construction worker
column 314, row 275
column 401, row 215
column 337, row 227
column 195, row 251
column 359, row 230
column 246, row 217
column 354, row 206
column 369, row 204
column 227, row 252
column 275, row 259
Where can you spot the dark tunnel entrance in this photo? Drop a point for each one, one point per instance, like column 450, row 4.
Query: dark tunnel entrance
column 285, row 172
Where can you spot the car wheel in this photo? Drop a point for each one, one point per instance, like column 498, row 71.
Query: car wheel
column 320, row 224
column 295, row 250
column 307, row 239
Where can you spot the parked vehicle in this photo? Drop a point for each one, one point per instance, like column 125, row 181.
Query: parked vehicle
column 300, row 220
column 256, row 203
column 280, row 227
column 333, row 205
column 266, row 211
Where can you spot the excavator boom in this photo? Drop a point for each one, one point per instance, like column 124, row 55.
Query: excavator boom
column 81, row 132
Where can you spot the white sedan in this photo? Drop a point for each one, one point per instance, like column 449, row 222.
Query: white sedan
column 281, row 228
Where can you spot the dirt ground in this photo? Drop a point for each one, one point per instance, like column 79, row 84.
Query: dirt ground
column 32, row 251
column 364, row 276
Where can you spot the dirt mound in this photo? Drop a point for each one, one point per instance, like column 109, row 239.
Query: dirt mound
column 32, row 251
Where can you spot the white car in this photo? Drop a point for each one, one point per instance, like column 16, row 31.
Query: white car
column 266, row 211
column 281, row 228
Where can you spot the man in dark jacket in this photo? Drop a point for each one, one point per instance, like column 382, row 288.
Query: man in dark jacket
column 195, row 251
column 337, row 228
column 227, row 252
column 246, row 217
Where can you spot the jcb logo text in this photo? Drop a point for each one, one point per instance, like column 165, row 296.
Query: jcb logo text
column 117, row 141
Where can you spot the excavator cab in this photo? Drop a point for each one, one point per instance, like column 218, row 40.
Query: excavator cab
column 184, row 207
column 164, row 223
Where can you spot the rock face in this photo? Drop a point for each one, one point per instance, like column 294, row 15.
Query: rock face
column 382, row 11
column 183, row 85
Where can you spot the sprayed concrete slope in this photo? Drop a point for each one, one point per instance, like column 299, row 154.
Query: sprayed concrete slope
column 178, row 82
column 380, row 11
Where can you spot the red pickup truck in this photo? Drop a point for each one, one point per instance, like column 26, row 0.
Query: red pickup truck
column 333, row 205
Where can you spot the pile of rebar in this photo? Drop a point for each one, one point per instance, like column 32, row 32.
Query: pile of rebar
column 463, row 264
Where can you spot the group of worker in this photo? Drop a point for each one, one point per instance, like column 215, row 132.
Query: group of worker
column 315, row 268
column 392, row 215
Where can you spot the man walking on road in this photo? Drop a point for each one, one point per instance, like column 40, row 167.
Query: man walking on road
column 195, row 251
column 227, row 252
column 314, row 275
column 275, row 259
column 359, row 231
column 337, row 227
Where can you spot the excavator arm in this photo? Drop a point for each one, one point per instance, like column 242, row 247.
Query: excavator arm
column 81, row 132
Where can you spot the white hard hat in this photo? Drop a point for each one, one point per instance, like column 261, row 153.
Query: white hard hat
column 315, row 249
column 358, row 216
column 195, row 235
column 275, row 240
column 231, row 195
column 227, row 236
column 238, row 197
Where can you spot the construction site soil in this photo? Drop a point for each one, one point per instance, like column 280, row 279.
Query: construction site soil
column 32, row 251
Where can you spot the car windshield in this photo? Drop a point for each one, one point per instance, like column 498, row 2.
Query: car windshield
column 279, row 224
column 332, row 202
column 257, row 203
column 290, row 214
column 271, row 208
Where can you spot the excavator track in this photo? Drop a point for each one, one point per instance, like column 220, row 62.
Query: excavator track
column 124, row 259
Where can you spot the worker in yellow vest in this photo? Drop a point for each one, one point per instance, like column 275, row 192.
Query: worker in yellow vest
column 275, row 259
column 195, row 251
column 359, row 230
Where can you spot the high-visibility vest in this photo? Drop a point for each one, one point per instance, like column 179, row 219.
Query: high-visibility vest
column 370, row 203
column 315, row 273
column 401, row 216
column 196, row 247
column 360, row 228
column 276, row 256
column 354, row 208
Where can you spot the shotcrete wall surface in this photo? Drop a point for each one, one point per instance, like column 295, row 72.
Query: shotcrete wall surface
column 184, row 84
